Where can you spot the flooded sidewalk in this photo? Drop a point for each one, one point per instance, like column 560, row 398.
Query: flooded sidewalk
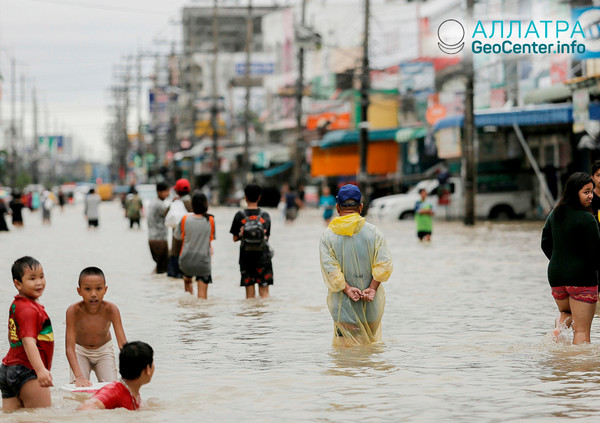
column 465, row 329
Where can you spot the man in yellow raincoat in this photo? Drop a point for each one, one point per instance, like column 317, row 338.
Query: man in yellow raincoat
column 355, row 260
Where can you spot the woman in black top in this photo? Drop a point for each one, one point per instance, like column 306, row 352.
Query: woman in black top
column 571, row 240
column 16, row 207
column 3, row 211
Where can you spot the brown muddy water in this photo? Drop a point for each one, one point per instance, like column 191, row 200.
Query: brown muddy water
column 465, row 330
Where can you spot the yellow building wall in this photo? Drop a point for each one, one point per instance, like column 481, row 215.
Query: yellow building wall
column 382, row 112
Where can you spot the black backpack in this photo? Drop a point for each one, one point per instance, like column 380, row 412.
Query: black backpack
column 253, row 232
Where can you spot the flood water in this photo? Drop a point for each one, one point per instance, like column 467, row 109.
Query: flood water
column 465, row 330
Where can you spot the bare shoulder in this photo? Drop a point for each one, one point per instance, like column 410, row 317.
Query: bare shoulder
column 111, row 309
column 74, row 309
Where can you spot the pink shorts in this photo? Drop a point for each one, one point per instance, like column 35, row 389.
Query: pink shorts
column 586, row 294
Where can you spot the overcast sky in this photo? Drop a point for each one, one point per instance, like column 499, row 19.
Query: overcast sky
column 68, row 50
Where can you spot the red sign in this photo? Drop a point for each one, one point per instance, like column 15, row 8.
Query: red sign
column 435, row 113
column 331, row 120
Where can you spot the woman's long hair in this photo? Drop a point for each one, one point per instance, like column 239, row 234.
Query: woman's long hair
column 570, row 195
column 199, row 202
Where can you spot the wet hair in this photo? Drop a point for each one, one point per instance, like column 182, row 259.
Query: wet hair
column 595, row 166
column 570, row 194
column 91, row 191
column 199, row 202
column 19, row 266
column 252, row 192
column 134, row 358
column 91, row 271
column 352, row 205
column 162, row 186
column 421, row 190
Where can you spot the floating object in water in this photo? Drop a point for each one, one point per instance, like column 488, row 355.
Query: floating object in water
column 70, row 387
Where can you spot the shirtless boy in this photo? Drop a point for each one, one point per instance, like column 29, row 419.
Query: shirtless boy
column 88, row 342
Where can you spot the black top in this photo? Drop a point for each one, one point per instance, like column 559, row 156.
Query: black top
column 595, row 205
column 16, row 208
column 251, row 258
column 572, row 245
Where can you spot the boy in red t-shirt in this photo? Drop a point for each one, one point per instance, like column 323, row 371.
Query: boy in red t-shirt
column 136, row 365
column 25, row 371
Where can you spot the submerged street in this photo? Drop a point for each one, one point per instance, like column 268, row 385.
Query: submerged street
column 465, row 329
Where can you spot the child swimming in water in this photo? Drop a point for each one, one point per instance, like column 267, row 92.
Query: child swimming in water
column 136, row 365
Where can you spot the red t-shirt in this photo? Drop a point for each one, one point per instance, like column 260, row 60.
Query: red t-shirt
column 28, row 319
column 116, row 395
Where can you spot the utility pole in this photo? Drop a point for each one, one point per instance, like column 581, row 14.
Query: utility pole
column 215, row 109
column 13, row 127
column 249, row 32
column 22, row 120
column 363, row 177
column 140, row 135
column 299, row 147
column 469, row 135
column 34, row 162
column 192, row 110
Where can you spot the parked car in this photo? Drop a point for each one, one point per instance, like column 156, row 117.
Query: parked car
column 489, row 205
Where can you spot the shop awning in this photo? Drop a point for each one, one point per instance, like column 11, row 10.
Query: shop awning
column 341, row 138
column 407, row 134
column 278, row 169
column 554, row 93
column 542, row 114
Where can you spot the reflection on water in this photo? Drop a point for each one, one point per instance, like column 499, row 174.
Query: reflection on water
column 356, row 361
column 465, row 330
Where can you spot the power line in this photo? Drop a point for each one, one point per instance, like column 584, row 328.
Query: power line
column 107, row 8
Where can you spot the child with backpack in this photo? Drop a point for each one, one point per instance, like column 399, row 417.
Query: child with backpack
column 196, row 231
column 252, row 227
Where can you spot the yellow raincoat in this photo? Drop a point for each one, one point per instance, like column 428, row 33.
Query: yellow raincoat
column 354, row 251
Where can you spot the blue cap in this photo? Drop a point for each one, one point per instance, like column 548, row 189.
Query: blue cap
column 348, row 192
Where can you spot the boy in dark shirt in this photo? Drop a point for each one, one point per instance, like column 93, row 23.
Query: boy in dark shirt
column 136, row 365
column 255, row 260
column 25, row 376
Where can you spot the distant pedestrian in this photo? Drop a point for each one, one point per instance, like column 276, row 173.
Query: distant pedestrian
column 292, row 205
column 92, row 204
column 157, row 230
column 35, row 202
column 134, row 209
column 181, row 205
column 16, row 208
column 196, row 231
column 327, row 203
column 281, row 206
column 46, row 203
column 3, row 210
column 571, row 241
column 61, row 199
column 355, row 260
column 424, row 217
column 252, row 227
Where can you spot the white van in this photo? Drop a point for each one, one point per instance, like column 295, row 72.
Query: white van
column 493, row 205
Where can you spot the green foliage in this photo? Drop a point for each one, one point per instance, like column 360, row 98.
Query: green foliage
column 225, row 184
column 23, row 179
